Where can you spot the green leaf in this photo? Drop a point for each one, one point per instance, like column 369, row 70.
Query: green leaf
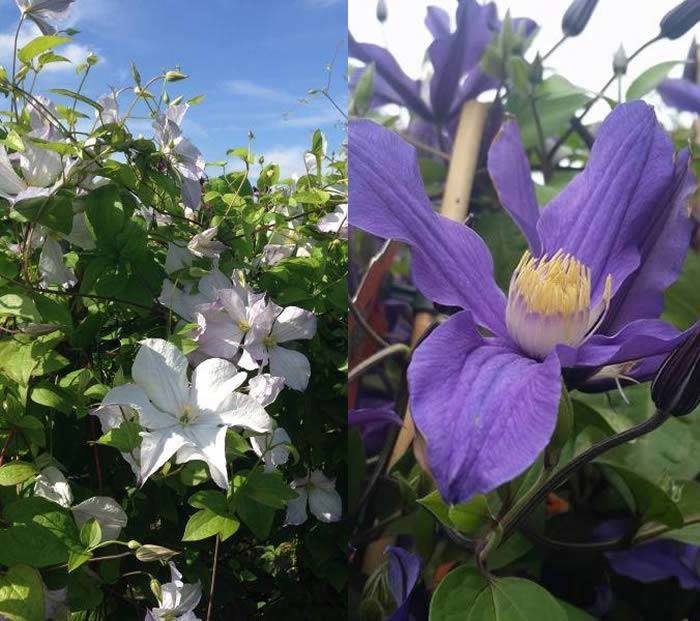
column 55, row 212
column 16, row 472
column 364, row 89
column 456, row 595
column 682, row 306
column 105, row 214
column 125, row 438
column 206, row 523
column 77, row 558
column 54, row 397
column 471, row 516
column 648, row 80
column 78, row 97
column 39, row 45
column 91, row 533
column 209, row 499
column 22, row 594
column 267, row 488
column 16, row 305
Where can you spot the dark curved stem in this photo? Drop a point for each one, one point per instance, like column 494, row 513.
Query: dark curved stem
column 398, row 349
column 210, row 606
column 555, row 47
column 519, row 513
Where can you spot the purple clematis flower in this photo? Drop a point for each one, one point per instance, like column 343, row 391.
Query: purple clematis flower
column 456, row 76
column 404, row 573
column 683, row 93
column 485, row 385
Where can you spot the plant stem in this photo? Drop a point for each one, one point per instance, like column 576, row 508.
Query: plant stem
column 210, row 607
column 555, row 47
column 544, row 155
column 521, row 510
column 398, row 349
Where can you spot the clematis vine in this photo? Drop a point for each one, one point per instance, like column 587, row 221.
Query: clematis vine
column 453, row 71
column 185, row 418
column 42, row 12
column 485, row 385
column 317, row 492
column 183, row 156
column 177, row 600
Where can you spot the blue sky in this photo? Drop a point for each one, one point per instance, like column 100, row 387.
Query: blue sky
column 253, row 59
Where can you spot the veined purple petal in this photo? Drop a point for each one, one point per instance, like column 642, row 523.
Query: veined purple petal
column 437, row 21
column 456, row 53
column 404, row 571
column 451, row 263
column 510, row 173
column 663, row 247
column 485, row 410
column 390, row 74
column 600, row 216
column 681, row 94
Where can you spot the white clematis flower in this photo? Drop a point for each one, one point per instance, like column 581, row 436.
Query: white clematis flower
column 41, row 11
column 182, row 418
column 277, row 325
column 273, row 448
column 265, row 388
column 183, row 301
column 335, row 222
column 108, row 513
column 204, row 244
column 318, row 492
column 52, row 485
column 177, row 600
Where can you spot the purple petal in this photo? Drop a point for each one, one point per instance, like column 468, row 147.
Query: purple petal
column 391, row 82
column 455, row 54
column 437, row 21
column 485, row 410
column 404, row 571
column 451, row 263
column 640, row 339
column 680, row 94
column 510, row 173
column 373, row 424
column 663, row 248
column 600, row 216
column 657, row 560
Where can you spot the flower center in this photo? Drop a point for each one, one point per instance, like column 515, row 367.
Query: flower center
column 243, row 325
column 549, row 303
column 187, row 414
column 269, row 342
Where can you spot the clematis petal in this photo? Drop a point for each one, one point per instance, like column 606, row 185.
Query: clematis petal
column 161, row 370
column 663, row 250
column 600, row 216
column 510, row 172
column 210, row 442
column 135, row 397
column 40, row 167
column 234, row 300
column 178, row 257
column 296, row 508
column 325, row 504
column 157, row 447
column 404, row 572
column 52, row 485
column 272, row 447
column 108, row 513
column 294, row 323
column 451, row 264
column 243, row 411
column 219, row 335
column 213, row 382
column 484, row 410
column 292, row 365
column 437, row 21
column 210, row 284
column 51, row 267
column 395, row 86
column 10, row 182
column 265, row 388
column 683, row 95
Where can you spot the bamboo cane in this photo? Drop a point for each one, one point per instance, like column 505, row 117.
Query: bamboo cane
column 455, row 206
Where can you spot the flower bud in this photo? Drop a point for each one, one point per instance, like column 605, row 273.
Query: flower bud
column 133, row 544
column 676, row 387
column 680, row 19
column 620, row 61
column 576, row 17
column 382, row 12
column 690, row 71
column 149, row 553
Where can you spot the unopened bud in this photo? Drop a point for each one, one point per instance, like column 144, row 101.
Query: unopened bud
column 149, row 552
column 156, row 590
column 133, row 545
column 576, row 17
column 690, row 71
column 620, row 61
column 676, row 387
column 382, row 12
column 680, row 19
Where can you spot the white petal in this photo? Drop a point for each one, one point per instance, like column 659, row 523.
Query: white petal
column 244, row 411
column 40, row 167
column 210, row 284
column 296, row 508
column 178, row 257
column 204, row 244
column 210, row 446
column 234, row 302
column 265, row 388
column 335, row 222
column 52, row 485
column 180, row 302
column 246, row 360
column 294, row 323
column 161, row 370
column 213, row 382
column 108, row 513
column 190, row 594
column 80, row 234
column 325, row 504
column 51, row 266
column 10, row 183
column 134, row 396
column 219, row 335
column 157, row 447
column 292, row 365
column 273, row 448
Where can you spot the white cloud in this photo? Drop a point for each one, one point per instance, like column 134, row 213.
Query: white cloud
column 322, row 119
column 290, row 159
column 247, row 88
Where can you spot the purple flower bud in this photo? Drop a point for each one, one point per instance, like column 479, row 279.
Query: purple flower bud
column 577, row 16
column 382, row 12
column 680, row 19
column 676, row 387
column 690, row 71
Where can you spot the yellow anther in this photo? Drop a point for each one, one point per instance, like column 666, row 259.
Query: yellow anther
column 244, row 325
